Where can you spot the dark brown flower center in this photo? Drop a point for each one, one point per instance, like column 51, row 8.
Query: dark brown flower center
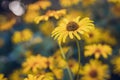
column 91, row 35
column 98, row 51
column 72, row 26
column 93, row 73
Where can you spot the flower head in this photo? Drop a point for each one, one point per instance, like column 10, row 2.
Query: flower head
column 51, row 13
column 72, row 28
column 2, row 77
column 116, row 64
column 114, row 1
column 98, row 50
column 73, row 65
column 115, row 10
column 22, row 36
column 34, row 64
column 45, row 76
column 88, row 2
column 7, row 24
column 17, row 75
column 94, row 36
column 94, row 70
column 67, row 3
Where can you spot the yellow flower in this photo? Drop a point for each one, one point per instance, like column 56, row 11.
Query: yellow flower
column 34, row 64
column 2, row 77
column 22, row 36
column 43, row 4
column 56, row 61
column 88, row 2
column 94, row 70
column 58, row 73
column 116, row 64
column 46, row 76
column 108, row 38
column 73, row 28
column 94, row 36
column 1, row 42
column 114, row 1
column 51, row 13
column 46, row 28
column 31, row 77
column 98, row 50
column 73, row 65
column 67, row 3
column 30, row 15
column 17, row 75
column 7, row 24
column 72, row 13
column 115, row 10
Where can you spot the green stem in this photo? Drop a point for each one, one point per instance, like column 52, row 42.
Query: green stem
column 68, row 69
column 78, row 46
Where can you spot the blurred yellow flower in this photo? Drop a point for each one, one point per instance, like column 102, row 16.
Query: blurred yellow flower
column 73, row 65
column 72, row 13
column 58, row 73
column 2, row 77
column 74, row 28
column 40, row 4
column 108, row 38
column 94, row 70
column 116, row 64
column 88, row 2
column 30, row 15
column 94, row 36
column 43, row 4
column 115, row 10
column 56, row 60
column 1, row 42
column 46, row 28
column 114, row 1
column 22, row 36
column 50, row 13
column 7, row 24
column 98, row 50
column 68, row 3
column 46, row 76
column 33, row 10
column 17, row 75
column 34, row 64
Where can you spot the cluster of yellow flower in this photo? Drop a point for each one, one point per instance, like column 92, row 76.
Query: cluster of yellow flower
column 22, row 36
column 50, row 13
column 33, row 10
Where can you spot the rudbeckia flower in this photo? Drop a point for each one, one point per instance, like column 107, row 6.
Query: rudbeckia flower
column 45, row 76
column 72, row 28
column 2, row 77
column 68, row 3
column 94, row 70
column 34, row 64
column 98, row 50
column 51, row 13
column 116, row 64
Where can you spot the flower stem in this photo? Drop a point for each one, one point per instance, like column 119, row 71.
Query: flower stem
column 78, row 46
column 68, row 69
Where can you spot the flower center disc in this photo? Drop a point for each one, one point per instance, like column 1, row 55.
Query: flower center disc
column 72, row 26
column 93, row 74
